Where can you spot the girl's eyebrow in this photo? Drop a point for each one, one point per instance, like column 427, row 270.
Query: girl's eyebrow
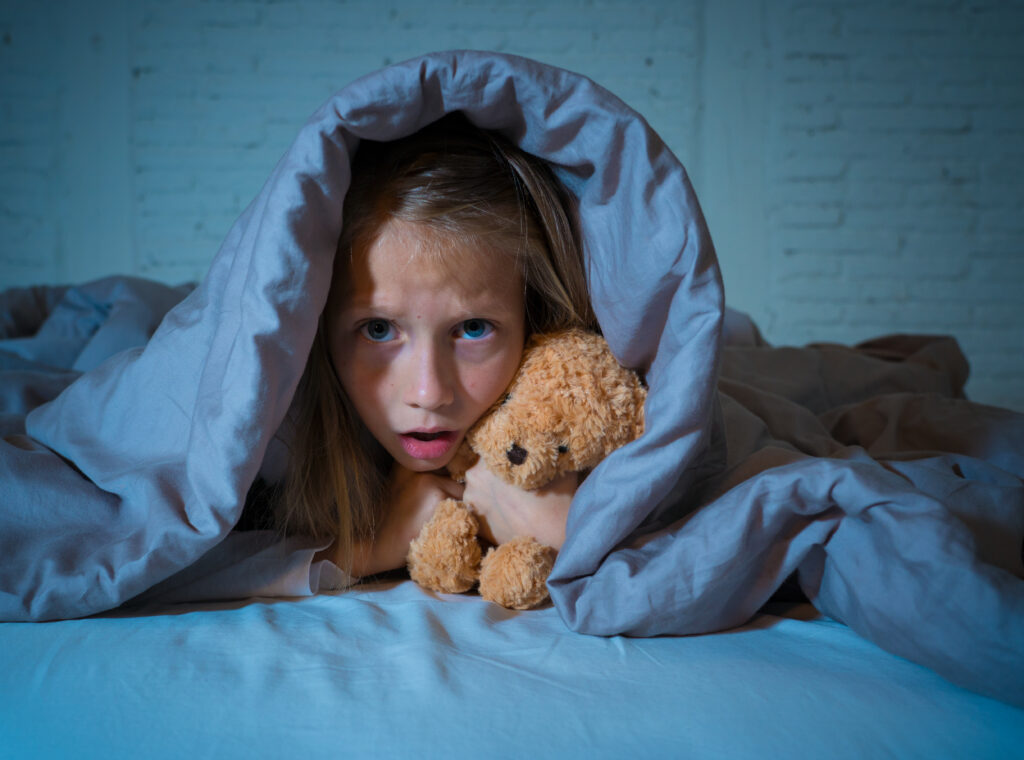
column 361, row 300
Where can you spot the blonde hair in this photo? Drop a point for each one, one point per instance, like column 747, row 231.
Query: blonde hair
column 466, row 185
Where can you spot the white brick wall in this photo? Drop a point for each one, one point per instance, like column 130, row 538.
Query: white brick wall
column 214, row 91
column 895, row 165
column 860, row 163
column 862, row 170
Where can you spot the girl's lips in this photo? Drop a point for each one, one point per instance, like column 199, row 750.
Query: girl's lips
column 432, row 445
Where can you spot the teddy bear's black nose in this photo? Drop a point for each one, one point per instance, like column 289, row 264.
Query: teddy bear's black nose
column 516, row 454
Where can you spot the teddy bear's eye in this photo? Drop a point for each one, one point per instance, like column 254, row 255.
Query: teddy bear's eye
column 563, row 449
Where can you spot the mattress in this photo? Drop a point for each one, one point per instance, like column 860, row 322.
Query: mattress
column 389, row 670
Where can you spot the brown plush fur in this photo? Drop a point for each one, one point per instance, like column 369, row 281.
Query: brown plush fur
column 446, row 554
column 569, row 405
column 514, row 574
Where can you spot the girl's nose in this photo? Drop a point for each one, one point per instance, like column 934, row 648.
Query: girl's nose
column 431, row 385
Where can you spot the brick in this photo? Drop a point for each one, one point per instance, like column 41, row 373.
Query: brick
column 875, row 290
column 894, row 67
column 996, row 246
column 941, row 261
column 1002, row 220
column 802, row 289
column 947, row 219
column 880, row 217
column 937, row 146
column 1006, row 271
column 962, row 194
column 800, row 67
column 40, row 157
column 868, row 194
column 966, row 291
column 846, row 144
column 876, row 93
column 879, row 318
column 807, row 266
column 24, row 244
column 907, row 170
column 907, row 119
column 940, row 316
column 873, row 264
column 814, row 313
column 988, row 342
column 1002, row 366
column 810, row 215
column 1001, row 121
column 1003, row 174
column 812, row 21
column 842, row 241
column 897, row 22
column 938, row 93
column 1000, row 315
column 173, row 274
column 999, row 54
column 20, row 205
column 808, row 193
column 15, row 275
column 797, row 166
column 810, row 118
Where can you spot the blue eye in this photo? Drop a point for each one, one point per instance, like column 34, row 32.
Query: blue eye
column 377, row 330
column 475, row 329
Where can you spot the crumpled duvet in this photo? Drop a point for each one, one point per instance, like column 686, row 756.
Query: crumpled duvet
column 896, row 504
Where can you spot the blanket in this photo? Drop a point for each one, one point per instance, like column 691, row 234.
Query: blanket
column 897, row 505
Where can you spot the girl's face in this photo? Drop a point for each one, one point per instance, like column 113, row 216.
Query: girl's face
column 424, row 343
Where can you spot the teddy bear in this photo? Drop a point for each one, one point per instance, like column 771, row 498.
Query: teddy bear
column 568, row 406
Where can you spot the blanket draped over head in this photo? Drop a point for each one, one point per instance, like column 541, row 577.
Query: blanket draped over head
column 897, row 505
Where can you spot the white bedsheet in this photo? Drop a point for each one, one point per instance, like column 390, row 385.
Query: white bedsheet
column 387, row 670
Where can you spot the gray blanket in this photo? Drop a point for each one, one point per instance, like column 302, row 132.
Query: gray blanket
column 896, row 504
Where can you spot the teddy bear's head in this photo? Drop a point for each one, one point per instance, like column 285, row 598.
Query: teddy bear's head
column 570, row 405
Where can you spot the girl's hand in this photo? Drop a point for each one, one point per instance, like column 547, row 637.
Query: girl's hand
column 506, row 511
column 411, row 500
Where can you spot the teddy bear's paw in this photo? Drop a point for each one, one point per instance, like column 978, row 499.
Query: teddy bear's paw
column 445, row 557
column 514, row 574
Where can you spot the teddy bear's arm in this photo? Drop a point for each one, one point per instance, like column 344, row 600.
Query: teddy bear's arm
column 445, row 556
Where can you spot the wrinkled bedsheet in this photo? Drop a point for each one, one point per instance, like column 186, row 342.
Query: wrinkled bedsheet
column 897, row 505
column 389, row 670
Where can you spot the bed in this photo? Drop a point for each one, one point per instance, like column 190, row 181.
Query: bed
column 388, row 670
column 811, row 550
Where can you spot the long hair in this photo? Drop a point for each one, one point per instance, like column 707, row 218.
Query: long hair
column 470, row 186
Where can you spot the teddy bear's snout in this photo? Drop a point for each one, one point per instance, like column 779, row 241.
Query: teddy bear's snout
column 516, row 454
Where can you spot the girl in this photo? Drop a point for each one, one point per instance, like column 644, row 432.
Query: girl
column 455, row 246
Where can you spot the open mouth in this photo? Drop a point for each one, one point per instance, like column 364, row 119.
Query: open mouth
column 426, row 436
column 424, row 445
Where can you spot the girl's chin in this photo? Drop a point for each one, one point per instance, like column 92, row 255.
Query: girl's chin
column 419, row 465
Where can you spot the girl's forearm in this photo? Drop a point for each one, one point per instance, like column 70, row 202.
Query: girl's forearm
column 368, row 557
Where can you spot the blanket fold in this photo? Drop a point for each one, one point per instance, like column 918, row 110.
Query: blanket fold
column 131, row 437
